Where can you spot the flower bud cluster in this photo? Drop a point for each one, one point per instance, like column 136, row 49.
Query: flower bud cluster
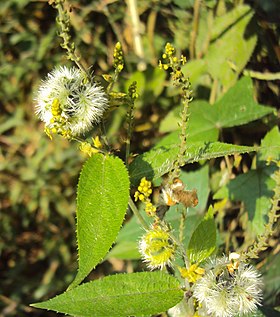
column 132, row 91
column 143, row 193
column 118, row 57
column 193, row 273
column 88, row 149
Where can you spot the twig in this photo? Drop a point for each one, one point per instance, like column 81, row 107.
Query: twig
column 136, row 34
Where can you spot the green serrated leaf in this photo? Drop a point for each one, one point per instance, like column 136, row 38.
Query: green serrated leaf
column 203, row 240
column 235, row 46
column 255, row 190
column 159, row 160
column 223, row 22
column 119, row 295
column 102, row 200
column 270, row 146
column 236, row 107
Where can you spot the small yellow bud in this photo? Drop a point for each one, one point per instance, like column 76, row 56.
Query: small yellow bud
column 183, row 59
column 193, row 274
column 120, row 67
column 48, row 133
column 96, row 142
column 107, row 77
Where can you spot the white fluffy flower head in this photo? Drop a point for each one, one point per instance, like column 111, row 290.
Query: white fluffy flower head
column 229, row 288
column 69, row 103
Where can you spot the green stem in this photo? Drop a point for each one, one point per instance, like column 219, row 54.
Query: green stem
column 64, row 24
column 182, row 224
column 129, row 132
column 181, row 249
column 213, row 92
column 137, row 214
column 114, row 80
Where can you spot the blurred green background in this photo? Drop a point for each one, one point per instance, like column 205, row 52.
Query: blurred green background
column 38, row 176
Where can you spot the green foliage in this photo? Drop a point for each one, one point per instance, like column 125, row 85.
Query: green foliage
column 102, row 201
column 223, row 42
column 126, row 245
column 159, row 160
column 236, row 107
column 255, row 188
column 119, row 295
column 270, row 146
column 203, row 239
column 242, row 38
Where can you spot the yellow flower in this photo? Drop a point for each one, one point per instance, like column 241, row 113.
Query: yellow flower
column 193, row 274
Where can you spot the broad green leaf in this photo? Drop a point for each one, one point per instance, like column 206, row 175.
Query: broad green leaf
column 194, row 69
column 255, row 190
column 119, row 295
column 199, row 180
column 204, row 29
column 235, row 46
column 155, row 82
column 201, row 125
column 270, row 146
column 103, row 192
column 159, row 160
column 127, row 242
column 222, row 23
column 203, row 240
column 236, row 107
column 125, row 250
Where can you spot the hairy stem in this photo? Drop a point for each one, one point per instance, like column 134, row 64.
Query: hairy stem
column 137, row 214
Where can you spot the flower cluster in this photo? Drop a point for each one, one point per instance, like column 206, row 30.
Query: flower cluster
column 143, row 193
column 118, row 57
column 193, row 273
column 89, row 149
column 228, row 288
column 170, row 60
column 69, row 103
column 157, row 248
